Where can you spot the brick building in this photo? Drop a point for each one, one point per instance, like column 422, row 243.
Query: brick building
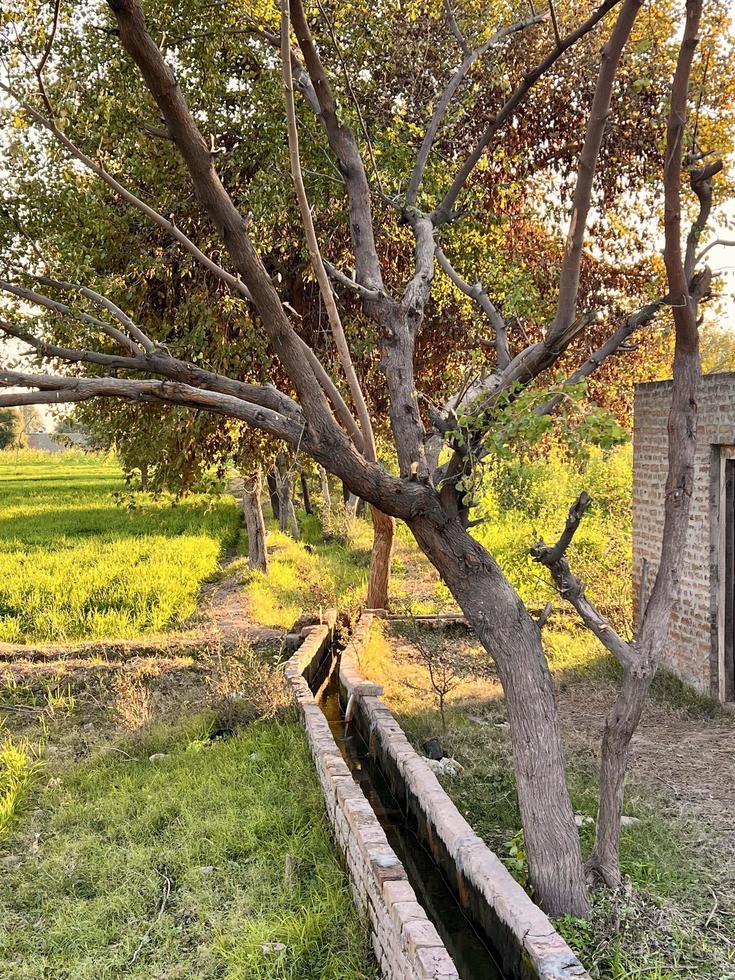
column 701, row 647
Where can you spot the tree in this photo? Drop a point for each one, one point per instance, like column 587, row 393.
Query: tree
column 432, row 496
column 9, row 427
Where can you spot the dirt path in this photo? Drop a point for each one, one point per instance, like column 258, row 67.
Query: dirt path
column 689, row 760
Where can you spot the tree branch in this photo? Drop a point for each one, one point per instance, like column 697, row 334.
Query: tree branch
column 53, row 389
column 480, row 296
column 582, row 197
column 325, row 288
column 443, row 212
column 701, row 183
column 167, row 366
column 449, row 92
column 61, row 309
column 572, row 588
column 168, row 226
column 343, row 144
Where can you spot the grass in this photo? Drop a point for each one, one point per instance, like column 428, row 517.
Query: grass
column 79, row 564
column 211, row 860
column 311, row 573
column 19, row 770
column 184, row 866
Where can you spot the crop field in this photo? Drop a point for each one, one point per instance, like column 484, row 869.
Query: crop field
column 78, row 562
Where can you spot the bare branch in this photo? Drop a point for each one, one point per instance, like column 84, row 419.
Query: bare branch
column 725, row 242
column 572, row 588
column 62, row 309
column 480, row 296
column 53, row 389
column 701, row 183
column 168, row 226
column 343, row 280
column 133, row 330
column 582, row 197
column 325, row 288
column 443, row 212
column 449, row 92
column 455, row 28
column 164, row 364
column 342, row 142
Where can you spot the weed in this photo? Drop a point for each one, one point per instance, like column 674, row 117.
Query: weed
column 19, row 769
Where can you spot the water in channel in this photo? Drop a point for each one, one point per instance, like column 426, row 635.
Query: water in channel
column 472, row 955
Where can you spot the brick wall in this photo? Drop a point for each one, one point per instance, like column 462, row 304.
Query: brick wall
column 406, row 943
column 525, row 940
column 692, row 649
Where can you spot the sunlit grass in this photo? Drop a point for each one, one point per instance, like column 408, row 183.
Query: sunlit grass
column 184, row 867
column 19, row 769
column 78, row 563
column 309, row 574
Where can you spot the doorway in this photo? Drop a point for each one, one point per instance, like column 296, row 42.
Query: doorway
column 726, row 612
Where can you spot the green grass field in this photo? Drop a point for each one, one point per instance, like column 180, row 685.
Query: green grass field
column 79, row 564
column 186, row 866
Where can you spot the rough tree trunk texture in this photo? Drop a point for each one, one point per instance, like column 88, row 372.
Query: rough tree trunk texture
column 383, row 536
column 286, row 512
column 682, row 437
column 513, row 640
column 253, row 509
column 620, row 725
column 273, row 493
column 326, row 514
column 305, row 493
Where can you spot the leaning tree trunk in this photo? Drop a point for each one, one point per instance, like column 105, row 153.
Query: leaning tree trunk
column 513, row 640
column 603, row 863
column 623, row 719
column 380, row 559
column 253, row 510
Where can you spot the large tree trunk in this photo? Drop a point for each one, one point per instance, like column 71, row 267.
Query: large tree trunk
column 383, row 533
column 253, row 509
column 513, row 640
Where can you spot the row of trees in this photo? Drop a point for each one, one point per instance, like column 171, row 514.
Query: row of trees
column 412, row 303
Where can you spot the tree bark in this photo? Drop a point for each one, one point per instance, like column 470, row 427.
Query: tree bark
column 513, row 640
column 286, row 512
column 326, row 514
column 253, row 510
column 305, row 493
column 380, row 559
column 682, row 443
column 273, row 494
column 603, row 863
